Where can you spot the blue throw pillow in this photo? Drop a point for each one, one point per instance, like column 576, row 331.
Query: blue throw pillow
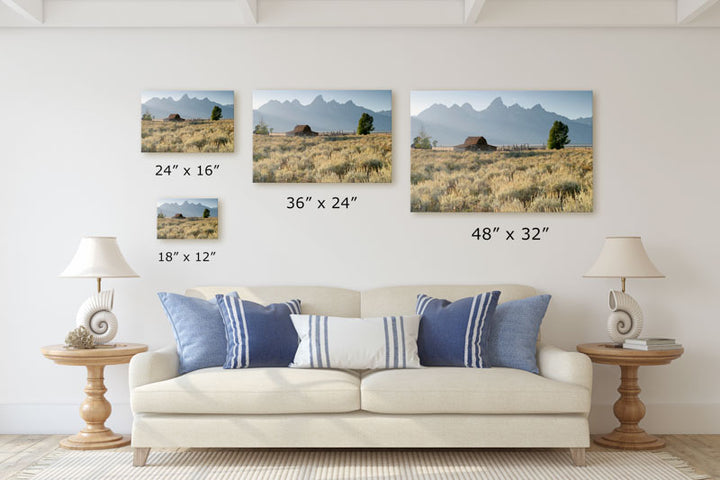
column 258, row 336
column 454, row 334
column 514, row 332
column 199, row 331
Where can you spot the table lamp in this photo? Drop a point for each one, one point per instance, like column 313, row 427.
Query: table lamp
column 623, row 257
column 98, row 257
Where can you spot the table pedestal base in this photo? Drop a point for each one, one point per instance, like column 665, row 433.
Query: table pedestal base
column 83, row 441
column 630, row 441
column 95, row 409
column 629, row 410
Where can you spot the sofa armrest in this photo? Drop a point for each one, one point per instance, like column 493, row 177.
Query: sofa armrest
column 569, row 367
column 151, row 367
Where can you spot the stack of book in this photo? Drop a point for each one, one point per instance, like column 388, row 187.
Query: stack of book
column 651, row 344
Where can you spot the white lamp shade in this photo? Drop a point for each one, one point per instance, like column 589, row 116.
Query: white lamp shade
column 623, row 257
column 98, row 257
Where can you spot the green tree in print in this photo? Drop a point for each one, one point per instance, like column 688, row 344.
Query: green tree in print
column 422, row 141
column 206, row 213
column 558, row 137
column 262, row 128
column 216, row 113
column 365, row 124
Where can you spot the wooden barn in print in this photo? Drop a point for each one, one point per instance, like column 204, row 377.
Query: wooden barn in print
column 474, row 144
column 301, row 131
column 174, row 117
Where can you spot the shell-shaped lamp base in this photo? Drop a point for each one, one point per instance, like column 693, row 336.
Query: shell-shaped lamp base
column 96, row 315
column 626, row 319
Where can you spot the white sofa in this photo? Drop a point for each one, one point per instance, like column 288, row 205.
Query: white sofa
column 435, row 407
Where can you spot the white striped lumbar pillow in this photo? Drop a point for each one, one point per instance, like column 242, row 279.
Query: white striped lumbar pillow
column 356, row 343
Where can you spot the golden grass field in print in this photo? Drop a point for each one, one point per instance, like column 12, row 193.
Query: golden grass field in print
column 187, row 228
column 323, row 159
column 502, row 181
column 189, row 136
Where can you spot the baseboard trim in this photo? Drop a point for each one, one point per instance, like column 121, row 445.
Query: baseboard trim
column 53, row 418
column 38, row 418
column 664, row 418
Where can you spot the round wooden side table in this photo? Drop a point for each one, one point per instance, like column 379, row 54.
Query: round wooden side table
column 629, row 410
column 95, row 409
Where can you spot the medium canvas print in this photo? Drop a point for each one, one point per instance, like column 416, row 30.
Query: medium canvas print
column 188, row 121
column 322, row 136
column 502, row 151
column 187, row 218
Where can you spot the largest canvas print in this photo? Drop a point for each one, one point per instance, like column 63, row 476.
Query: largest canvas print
column 502, row 151
column 322, row 136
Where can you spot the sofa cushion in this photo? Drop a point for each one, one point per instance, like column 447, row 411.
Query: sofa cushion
column 469, row 390
column 340, row 302
column 251, row 391
column 403, row 299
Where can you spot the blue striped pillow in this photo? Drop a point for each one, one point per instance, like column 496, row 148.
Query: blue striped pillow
column 454, row 334
column 356, row 343
column 257, row 335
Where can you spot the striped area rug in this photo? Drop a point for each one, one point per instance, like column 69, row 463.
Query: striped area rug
column 357, row 464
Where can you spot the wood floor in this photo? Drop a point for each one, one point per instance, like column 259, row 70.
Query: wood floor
column 20, row 451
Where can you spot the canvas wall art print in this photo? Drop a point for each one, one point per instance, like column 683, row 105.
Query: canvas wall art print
column 187, row 218
column 188, row 121
column 322, row 136
column 501, row 151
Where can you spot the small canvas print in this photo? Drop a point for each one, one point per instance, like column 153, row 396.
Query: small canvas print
column 188, row 121
column 322, row 136
column 187, row 218
column 502, row 151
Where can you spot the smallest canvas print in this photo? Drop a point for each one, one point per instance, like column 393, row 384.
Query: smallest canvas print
column 187, row 218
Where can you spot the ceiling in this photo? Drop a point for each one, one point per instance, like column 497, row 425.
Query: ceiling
column 359, row 13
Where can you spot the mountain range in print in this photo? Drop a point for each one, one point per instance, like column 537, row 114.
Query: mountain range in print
column 186, row 209
column 322, row 115
column 187, row 106
column 499, row 123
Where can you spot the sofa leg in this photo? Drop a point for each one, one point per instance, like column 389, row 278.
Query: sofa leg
column 578, row 456
column 140, row 456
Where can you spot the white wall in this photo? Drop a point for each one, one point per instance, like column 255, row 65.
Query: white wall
column 70, row 165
